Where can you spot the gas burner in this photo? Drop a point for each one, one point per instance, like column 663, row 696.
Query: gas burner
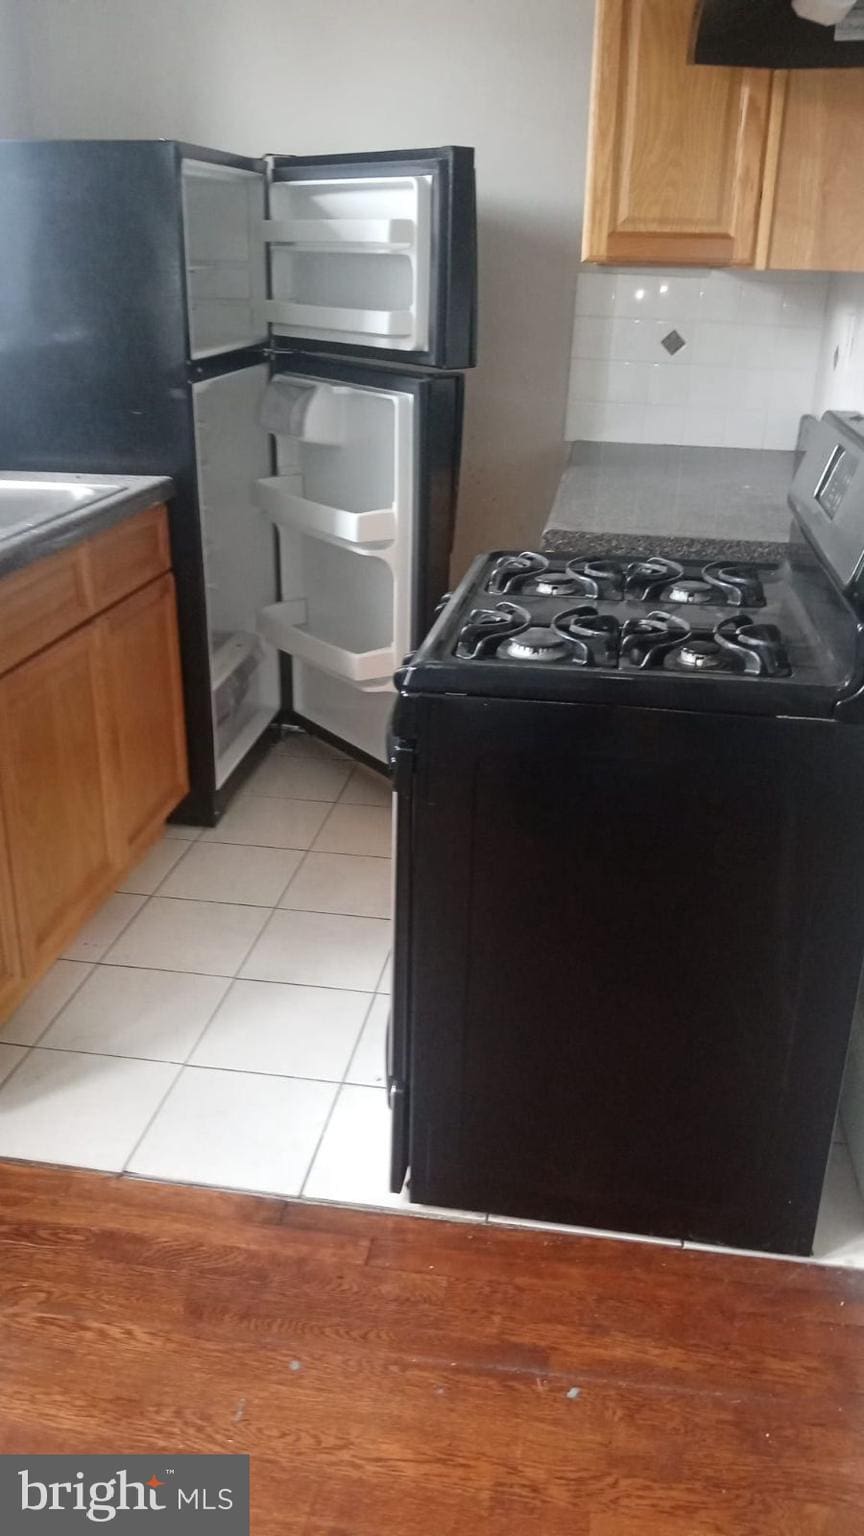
column 647, row 579
column 511, row 572
column 596, row 578
column 485, row 628
column 539, row 643
column 687, row 591
column 646, row 641
column 593, row 637
column 740, row 583
column 550, row 584
column 756, row 649
column 701, row 653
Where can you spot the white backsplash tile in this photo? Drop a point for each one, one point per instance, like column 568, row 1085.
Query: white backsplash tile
column 841, row 367
column 754, row 348
column 662, row 423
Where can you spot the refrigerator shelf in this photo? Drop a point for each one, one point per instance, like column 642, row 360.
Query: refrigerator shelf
column 284, row 625
column 339, row 318
column 342, row 234
column 335, row 524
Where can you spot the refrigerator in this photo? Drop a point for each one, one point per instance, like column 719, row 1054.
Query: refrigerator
column 284, row 337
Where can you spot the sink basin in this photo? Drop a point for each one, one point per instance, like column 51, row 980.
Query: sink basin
column 30, row 500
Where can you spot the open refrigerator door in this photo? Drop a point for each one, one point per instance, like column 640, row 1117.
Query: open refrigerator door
column 343, row 503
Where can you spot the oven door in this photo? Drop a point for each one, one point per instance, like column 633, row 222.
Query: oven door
column 401, row 755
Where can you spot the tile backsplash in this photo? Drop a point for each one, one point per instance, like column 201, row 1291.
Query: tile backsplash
column 713, row 358
column 840, row 382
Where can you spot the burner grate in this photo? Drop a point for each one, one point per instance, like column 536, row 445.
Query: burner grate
column 485, row 628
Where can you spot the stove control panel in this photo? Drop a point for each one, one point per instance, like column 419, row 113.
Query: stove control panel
column 836, row 480
column 827, row 495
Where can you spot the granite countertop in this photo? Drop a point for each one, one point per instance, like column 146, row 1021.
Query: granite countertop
column 687, row 503
column 134, row 494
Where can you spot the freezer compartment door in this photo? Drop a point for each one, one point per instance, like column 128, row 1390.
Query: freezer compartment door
column 225, row 251
column 233, row 453
column 375, row 255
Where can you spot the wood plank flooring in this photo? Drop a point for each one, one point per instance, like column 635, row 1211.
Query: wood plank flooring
column 397, row 1375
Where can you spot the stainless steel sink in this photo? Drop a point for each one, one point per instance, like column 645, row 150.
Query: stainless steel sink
column 27, row 501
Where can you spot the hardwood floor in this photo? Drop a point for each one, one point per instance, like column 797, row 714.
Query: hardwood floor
column 406, row 1376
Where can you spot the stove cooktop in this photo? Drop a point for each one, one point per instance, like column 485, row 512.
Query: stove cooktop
column 682, row 633
column 727, row 634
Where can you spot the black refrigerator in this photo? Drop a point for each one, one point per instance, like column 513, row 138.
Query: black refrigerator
column 284, row 337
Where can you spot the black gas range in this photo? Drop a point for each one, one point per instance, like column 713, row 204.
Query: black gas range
column 629, row 919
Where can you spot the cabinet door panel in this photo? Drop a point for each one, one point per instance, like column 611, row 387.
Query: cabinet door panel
column 57, row 793
column 11, row 971
column 676, row 152
column 817, row 222
column 139, row 644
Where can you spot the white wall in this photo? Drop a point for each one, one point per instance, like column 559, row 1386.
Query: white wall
column 308, row 76
column 15, row 121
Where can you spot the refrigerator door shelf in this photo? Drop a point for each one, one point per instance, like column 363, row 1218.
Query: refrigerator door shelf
column 342, row 234
column 275, row 497
column 341, row 322
column 283, row 625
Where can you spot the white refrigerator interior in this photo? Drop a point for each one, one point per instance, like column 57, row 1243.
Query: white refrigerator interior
column 350, row 260
column 239, row 560
column 344, row 504
column 315, row 559
column 226, row 271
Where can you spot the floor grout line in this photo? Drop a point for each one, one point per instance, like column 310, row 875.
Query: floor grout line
column 317, row 1147
column 164, row 1099
column 91, row 965
column 365, row 1021
column 120, row 931
column 269, row 981
column 198, row 1066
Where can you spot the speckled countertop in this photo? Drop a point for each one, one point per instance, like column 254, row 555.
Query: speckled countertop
column 675, row 546
column 689, row 503
column 133, row 493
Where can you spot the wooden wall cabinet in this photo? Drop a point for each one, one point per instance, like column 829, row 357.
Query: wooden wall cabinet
column 813, row 213
column 675, row 154
column 695, row 165
column 92, row 737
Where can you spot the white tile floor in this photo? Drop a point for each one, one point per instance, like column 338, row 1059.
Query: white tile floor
column 221, row 1020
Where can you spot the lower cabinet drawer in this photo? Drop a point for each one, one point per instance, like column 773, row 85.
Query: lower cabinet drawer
column 51, row 597
column 127, row 556
column 40, row 603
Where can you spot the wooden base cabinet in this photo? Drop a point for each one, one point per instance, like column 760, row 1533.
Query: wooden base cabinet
column 92, row 752
column 11, row 967
column 57, row 793
column 145, row 707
